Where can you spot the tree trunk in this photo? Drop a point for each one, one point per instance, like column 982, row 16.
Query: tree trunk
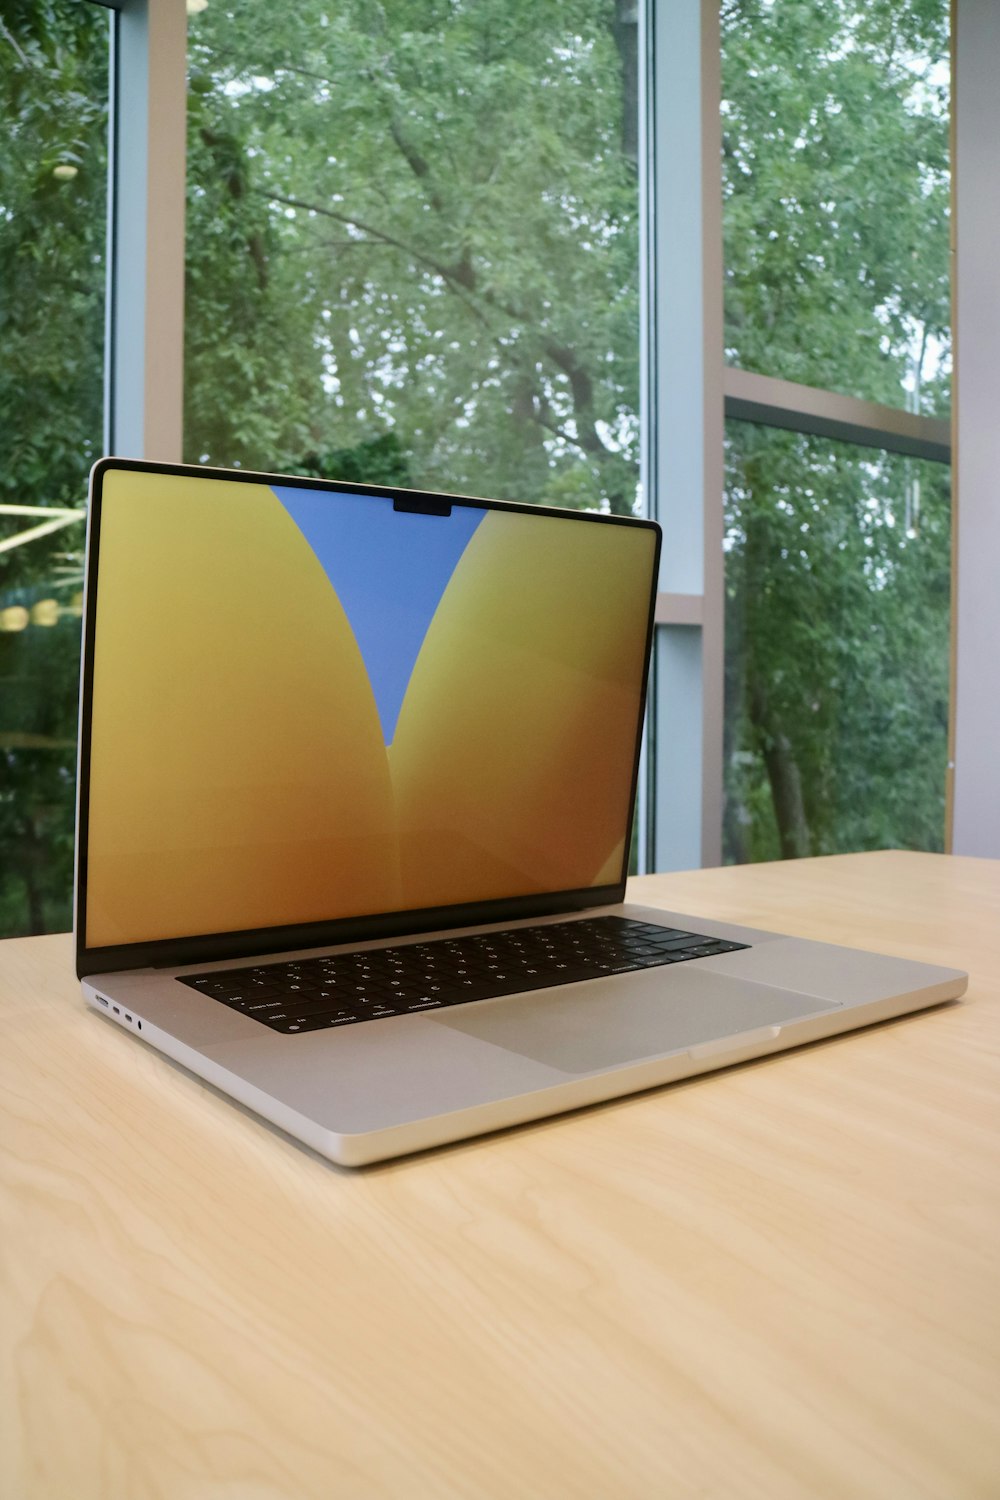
column 784, row 777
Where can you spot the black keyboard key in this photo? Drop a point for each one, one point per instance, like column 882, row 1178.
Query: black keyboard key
column 343, row 989
column 293, row 1024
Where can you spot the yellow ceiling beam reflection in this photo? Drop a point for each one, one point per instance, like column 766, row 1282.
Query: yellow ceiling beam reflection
column 41, row 510
column 45, row 612
column 62, row 518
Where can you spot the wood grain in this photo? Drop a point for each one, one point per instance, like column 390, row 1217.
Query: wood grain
column 775, row 1281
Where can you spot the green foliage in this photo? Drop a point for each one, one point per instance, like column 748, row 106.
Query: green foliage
column 837, row 608
column 381, row 461
column 836, row 192
column 53, row 92
column 413, row 258
column 835, row 165
column 416, row 218
column 39, row 671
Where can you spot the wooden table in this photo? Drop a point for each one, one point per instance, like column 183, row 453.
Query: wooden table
column 782, row 1280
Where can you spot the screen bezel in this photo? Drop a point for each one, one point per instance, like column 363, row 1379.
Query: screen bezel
column 252, row 942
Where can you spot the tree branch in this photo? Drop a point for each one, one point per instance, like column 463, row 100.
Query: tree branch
column 417, row 163
column 448, row 274
column 463, row 278
column 7, row 35
column 355, row 223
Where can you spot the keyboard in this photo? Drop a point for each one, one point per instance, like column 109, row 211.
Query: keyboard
column 344, row 989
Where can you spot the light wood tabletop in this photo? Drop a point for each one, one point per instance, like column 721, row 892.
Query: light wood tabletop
column 778, row 1280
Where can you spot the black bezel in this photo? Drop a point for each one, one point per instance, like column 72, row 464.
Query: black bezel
column 207, row 947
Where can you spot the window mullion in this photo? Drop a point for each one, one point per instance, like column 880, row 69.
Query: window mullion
column 145, row 351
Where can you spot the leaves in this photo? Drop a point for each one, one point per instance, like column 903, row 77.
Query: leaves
column 835, row 165
column 451, row 245
column 413, row 256
column 53, row 108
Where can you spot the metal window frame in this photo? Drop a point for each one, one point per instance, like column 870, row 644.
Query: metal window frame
column 750, row 397
column 682, row 427
column 687, row 394
column 686, row 389
column 974, row 806
column 144, row 317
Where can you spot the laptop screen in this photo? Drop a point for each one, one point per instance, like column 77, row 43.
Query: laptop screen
column 307, row 704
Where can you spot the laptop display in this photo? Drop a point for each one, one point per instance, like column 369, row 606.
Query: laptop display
column 310, row 703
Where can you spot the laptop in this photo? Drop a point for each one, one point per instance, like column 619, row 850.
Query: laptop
column 357, row 777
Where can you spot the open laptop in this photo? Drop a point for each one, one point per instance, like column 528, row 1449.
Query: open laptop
column 356, row 787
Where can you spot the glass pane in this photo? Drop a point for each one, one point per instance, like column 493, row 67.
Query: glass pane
column 837, row 620
column 836, row 195
column 54, row 87
column 413, row 247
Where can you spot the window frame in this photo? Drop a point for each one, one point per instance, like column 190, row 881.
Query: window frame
column 687, row 390
column 144, row 320
column 684, row 366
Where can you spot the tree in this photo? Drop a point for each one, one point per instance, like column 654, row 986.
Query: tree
column 413, row 254
column 419, row 218
column 53, row 104
column 837, row 563
column 412, row 235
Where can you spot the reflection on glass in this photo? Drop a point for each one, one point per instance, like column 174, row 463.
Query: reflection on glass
column 836, row 195
column 412, row 245
column 53, row 86
column 837, row 618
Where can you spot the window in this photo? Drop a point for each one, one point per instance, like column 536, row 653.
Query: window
column 836, row 209
column 413, row 253
column 413, row 245
column 837, row 633
column 54, row 86
column 836, row 192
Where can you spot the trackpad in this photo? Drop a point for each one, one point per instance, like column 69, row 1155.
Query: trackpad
column 605, row 1023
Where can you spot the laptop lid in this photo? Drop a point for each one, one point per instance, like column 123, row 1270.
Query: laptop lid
column 316, row 713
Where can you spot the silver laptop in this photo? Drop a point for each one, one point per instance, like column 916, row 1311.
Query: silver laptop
column 356, row 788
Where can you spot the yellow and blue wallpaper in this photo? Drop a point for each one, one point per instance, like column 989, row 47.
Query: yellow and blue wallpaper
column 308, row 705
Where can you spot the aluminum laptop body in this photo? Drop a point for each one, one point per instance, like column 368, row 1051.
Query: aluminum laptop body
column 334, row 730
